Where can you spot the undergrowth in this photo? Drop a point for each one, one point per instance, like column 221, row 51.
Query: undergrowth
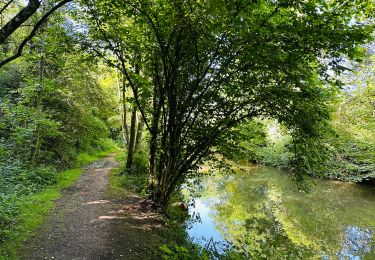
column 123, row 182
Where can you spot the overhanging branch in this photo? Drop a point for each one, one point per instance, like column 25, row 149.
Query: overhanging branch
column 11, row 26
column 5, row 6
column 19, row 50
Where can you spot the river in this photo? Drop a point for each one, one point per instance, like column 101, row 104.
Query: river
column 258, row 213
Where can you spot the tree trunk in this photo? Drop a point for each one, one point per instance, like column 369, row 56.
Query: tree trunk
column 138, row 139
column 129, row 161
column 156, row 108
column 122, row 108
column 39, row 109
column 151, row 161
column 124, row 119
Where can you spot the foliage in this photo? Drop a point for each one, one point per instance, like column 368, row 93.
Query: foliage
column 175, row 252
column 354, row 121
column 277, row 154
column 201, row 73
column 16, row 13
column 244, row 141
column 20, row 128
column 346, row 151
column 24, row 214
column 205, row 66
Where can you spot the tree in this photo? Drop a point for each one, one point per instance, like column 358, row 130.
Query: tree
column 210, row 64
column 354, row 123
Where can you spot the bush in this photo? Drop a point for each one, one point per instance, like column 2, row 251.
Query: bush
column 106, row 144
column 21, row 179
column 8, row 211
column 18, row 179
column 277, row 154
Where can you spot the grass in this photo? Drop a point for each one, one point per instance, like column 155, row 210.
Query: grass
column 107, row 145
column 35, row 208
column 116, row 189
column 121, row 185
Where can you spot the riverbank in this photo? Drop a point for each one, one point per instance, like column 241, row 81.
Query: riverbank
column 143, row 233
column 170, row 240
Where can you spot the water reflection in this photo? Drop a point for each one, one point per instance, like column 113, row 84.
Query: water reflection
column 358, row 243
column 261, row 214
column 203, row 222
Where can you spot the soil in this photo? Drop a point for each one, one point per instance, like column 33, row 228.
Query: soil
column 86, row 224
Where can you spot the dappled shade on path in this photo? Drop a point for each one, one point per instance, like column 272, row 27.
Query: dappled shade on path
column 87, row 225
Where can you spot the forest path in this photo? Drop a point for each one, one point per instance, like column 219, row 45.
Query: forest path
column 85, row 224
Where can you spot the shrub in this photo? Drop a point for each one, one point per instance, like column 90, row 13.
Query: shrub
column 8, row 211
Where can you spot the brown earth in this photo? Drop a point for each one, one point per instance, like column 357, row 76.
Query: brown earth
column 86, row 224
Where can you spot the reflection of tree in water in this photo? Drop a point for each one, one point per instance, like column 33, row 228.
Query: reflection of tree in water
column 254, row 228
column 263, row 216
column 358, row 243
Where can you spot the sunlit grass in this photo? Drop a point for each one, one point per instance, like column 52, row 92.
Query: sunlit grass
column 116, row 188
column 108, row 146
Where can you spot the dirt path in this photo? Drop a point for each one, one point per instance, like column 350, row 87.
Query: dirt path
column 85, row 224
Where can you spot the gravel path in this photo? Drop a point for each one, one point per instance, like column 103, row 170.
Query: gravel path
column 86, row 225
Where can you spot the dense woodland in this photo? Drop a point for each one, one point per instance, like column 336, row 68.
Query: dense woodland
column 285, row 83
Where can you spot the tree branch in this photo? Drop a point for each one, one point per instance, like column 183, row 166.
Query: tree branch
column 19, row 19
column 5, row 6
column 18, row 53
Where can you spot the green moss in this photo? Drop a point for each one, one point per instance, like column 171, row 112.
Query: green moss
column 33, row 209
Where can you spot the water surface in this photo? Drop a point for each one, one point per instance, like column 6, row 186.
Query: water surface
column 260, row 213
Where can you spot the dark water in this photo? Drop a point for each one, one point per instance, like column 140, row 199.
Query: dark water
column 259, row 214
